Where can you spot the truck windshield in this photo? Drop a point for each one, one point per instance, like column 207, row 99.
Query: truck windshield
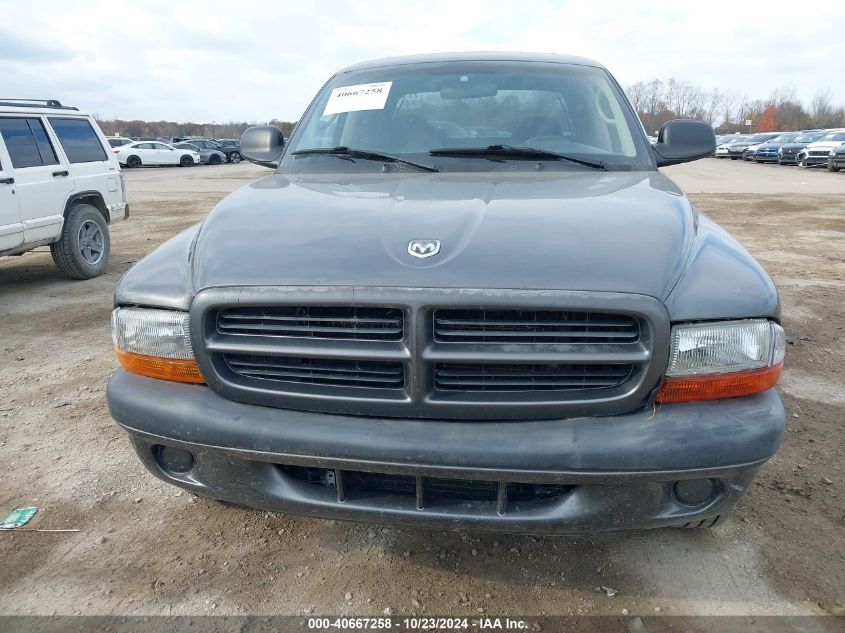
column 410, row 110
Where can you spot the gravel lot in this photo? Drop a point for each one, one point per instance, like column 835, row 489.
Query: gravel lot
column 144, row 547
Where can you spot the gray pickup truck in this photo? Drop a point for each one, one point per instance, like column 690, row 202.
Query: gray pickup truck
column 466, row 298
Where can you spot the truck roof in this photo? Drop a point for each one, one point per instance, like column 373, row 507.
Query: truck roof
column 36, row 106
column 496, row 56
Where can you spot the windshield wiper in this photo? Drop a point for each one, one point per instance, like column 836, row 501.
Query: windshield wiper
column 510, row 150
column 364, row 154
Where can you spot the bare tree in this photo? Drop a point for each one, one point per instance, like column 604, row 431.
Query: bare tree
column 821, row 109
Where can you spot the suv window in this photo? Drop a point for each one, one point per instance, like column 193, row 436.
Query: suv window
column 79, row 140
column 27, row 142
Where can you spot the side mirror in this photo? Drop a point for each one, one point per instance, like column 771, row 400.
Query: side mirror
column 263, row 145
column 683, row 140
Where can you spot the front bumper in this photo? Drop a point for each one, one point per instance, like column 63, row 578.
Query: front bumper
column 766, row 157
column 815, row 160
column 604, row 474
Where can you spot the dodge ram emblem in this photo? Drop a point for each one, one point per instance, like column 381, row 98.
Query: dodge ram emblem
column 423, row 248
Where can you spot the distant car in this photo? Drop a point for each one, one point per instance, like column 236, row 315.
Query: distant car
column 788, row 152
column 232, row 152
column 751, row 150
column 117, row 141
column 736, row 150
column 836, row 159
column 722, row 149
column 207, row 155
column 817, row 153
column 768, row 152
column 154, row 153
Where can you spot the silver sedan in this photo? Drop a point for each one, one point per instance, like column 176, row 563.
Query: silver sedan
column 207, row 156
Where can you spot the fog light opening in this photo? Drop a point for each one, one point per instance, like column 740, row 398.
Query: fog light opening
column 174, row 460
column 695, row 492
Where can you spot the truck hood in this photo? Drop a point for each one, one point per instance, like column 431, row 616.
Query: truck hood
column 599, row 231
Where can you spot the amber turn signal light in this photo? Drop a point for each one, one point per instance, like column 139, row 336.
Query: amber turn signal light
column 175, row 369
column 718, row 386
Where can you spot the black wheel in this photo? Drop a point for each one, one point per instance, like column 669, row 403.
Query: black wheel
column 215, row 159
column 734, row 157
column 186, row 161
column 235, row 157
column 82, row 251
column 133, row 161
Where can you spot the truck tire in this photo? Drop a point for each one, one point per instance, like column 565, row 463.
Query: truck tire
column 82, row 251
column 133, row 161
column 235, row 157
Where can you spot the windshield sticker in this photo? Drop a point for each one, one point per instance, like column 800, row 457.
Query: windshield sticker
column 356, row 98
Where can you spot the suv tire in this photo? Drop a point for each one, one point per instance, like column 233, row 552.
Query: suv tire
column 134, row 161
column 235, row 157
column 82, row 251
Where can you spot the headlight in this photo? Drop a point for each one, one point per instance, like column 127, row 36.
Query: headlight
column 722, row 359
column 155, row 343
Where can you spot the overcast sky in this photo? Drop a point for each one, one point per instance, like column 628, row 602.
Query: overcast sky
column 238, row 60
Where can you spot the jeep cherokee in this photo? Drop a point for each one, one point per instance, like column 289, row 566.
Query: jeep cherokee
column 60, row 185
column 511, row 322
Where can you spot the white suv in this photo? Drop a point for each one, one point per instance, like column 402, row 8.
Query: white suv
column 60, row 184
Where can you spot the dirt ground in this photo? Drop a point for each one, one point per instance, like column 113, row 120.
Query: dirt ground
column 144, row 547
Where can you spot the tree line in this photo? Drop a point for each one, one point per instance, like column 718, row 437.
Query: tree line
column 658, row 101
column 169, row 129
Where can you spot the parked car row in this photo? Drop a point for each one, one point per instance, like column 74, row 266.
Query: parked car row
column 806, row 148
column 183, row 152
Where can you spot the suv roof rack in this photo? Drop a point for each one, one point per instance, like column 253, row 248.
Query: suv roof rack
column 35, row 103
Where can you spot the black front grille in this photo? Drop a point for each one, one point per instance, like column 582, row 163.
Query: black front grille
column 322, row 322
column 426, row 492
column 525, row 377
column 533, row 326
column 434, row 354
column 319, row 371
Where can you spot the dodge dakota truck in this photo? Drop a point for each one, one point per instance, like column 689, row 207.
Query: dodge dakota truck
column 465, row 298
